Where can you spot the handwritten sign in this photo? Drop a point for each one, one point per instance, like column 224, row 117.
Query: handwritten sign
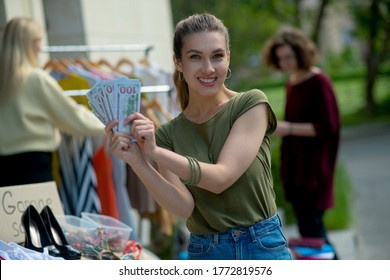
column 15, row 199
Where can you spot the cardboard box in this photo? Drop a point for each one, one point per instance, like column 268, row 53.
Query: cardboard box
column 15, row 199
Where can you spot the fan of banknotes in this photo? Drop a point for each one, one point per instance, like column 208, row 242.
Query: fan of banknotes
column 115, row 99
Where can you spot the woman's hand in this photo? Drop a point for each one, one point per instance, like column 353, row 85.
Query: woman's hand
column 122, row 145
column 143, row 131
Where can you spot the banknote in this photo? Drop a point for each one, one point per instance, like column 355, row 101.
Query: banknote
column 129, row 100
column 115, row 100
column 97, row 104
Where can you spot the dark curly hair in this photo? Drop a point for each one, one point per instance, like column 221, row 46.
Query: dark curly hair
column 304, row 49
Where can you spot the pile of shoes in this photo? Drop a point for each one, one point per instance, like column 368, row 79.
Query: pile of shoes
column 44, row 234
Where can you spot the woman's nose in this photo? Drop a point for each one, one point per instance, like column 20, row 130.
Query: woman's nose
column 208, row 67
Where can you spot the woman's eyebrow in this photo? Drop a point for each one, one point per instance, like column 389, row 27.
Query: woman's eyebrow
column 197, row 51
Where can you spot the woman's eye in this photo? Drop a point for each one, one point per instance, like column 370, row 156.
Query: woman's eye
column 194, row 56
column 218, row 56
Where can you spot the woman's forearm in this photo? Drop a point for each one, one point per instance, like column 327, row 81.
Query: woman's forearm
column 175, row 198
column 301, row 129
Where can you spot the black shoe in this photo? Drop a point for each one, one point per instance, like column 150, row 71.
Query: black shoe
column 36, row 236
column 57, row 235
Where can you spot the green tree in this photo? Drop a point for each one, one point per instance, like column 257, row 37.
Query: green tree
column 373, row 20
column 251, row 23
column 318, row 20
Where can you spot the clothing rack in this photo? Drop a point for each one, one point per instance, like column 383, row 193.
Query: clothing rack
column 146, row 48
column 99, row 48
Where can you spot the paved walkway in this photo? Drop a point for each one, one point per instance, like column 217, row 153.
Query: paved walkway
column 365, row 152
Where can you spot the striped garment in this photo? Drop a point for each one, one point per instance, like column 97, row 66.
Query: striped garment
column 78, row 189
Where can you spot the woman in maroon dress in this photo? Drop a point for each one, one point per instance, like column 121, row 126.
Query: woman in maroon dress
column 310, row 131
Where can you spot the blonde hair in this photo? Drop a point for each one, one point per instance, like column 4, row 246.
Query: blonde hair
column 193, row 24
column 17, row 54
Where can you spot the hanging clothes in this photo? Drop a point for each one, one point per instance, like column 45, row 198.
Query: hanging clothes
column 75, row 174
column 78, row 191
column 106, row 191
column 122, row 198
column 72, row 81
column 139, row 196
column 152, row 75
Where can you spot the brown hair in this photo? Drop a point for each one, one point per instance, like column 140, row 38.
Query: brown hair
column 304, row 49
column 193, row 24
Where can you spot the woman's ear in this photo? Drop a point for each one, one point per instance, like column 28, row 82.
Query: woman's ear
column 177, row 63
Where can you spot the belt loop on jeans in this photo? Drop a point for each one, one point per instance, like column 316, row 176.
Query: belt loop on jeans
column 279, row 220
column 215, row 238
column 253, row 234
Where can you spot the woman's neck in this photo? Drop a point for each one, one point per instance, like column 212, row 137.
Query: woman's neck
column 201, row 109
column 301, row 75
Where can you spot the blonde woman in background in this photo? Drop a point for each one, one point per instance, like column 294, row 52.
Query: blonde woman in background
column 33, row 109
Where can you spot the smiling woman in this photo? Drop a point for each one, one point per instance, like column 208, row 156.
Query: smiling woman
column 205, row 174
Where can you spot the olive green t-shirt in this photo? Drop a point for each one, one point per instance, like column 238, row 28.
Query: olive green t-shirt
column 251, row 198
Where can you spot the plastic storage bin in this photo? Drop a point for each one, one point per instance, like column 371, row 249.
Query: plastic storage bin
column 78, row 232
column 116, row 232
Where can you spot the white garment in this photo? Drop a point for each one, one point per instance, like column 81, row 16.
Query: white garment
column 153, row 75
column 14, row 251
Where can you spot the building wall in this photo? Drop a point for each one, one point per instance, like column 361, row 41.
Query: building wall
column 101, row 22
column 131, row 22
column 27, row 8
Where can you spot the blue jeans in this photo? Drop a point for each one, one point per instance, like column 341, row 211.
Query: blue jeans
column 262, row 241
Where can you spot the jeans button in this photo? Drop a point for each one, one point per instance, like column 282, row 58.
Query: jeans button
column 237, row 232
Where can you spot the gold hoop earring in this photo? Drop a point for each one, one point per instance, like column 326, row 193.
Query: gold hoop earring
column 229, row 73
column 181, row 77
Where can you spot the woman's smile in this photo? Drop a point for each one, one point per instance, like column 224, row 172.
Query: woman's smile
column 207, row 82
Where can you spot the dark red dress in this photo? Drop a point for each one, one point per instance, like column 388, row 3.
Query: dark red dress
column 308, row 163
